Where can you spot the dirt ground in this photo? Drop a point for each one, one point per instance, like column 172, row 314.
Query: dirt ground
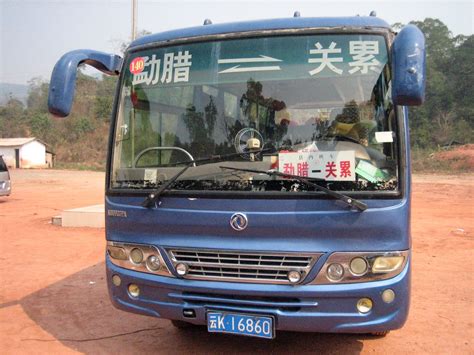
column 459, row 158
column 53, row 296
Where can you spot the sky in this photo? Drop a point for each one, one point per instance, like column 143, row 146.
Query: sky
column 35, row 33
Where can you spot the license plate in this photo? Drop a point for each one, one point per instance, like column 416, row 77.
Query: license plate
column 243, row 324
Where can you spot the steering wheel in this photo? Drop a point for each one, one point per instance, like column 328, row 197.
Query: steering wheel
column 241, row 139
column 149, row 149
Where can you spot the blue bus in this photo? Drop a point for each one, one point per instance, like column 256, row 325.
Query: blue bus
column 258, row 173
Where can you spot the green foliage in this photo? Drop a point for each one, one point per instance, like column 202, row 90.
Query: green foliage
column 82, row 125
column 80, row 139
column 13, row 119
column 201, row 127
column 447, row 114
column 40, row 124
column 104, row 98
column 439, row 40
column 37, row 100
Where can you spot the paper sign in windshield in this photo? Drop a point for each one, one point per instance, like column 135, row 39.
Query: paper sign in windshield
column 384, row 137
column 150, row 175
column 330, row 166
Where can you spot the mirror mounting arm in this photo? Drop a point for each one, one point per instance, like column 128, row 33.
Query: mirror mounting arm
column 63, row 78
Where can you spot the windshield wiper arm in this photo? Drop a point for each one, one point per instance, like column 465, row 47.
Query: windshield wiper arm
column 361, row 206
column 152, row 198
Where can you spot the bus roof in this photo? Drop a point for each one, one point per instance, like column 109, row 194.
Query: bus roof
column 264, row 25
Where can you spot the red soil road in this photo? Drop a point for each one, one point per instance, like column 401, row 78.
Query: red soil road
column 53, row 296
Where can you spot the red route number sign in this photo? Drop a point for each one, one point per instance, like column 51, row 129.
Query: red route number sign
column 137, row 65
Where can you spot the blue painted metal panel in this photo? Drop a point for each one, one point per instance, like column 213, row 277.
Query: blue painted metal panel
column 288, row 225
column 261, row 25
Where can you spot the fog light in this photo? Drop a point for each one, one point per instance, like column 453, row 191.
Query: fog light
column 117, row 252
column 153, row 263
column 335, row 272
column 294, row 276
column 116, row 280
column 136, row 255
column 181, row 269
column 388, row 296
column 133, row 290
column 385, row 264
column 358, row 266
column 364, row 305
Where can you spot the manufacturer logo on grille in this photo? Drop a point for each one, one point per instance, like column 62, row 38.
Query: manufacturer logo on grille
column 239, row 221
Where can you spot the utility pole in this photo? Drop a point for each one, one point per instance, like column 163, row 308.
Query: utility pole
column 134, row 19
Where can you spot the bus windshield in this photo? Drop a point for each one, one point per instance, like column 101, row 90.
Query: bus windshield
column 317, row 106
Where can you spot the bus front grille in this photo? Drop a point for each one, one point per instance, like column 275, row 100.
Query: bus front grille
column 240, row 266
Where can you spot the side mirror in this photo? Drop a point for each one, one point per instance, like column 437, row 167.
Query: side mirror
column 408, row 67
column 63, row 79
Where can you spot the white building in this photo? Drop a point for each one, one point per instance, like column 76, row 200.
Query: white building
column 26, row 153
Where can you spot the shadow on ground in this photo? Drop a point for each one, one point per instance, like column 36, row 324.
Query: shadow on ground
column 76, row 312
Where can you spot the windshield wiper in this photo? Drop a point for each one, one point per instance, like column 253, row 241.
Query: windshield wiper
column 337, row 195
column 152, row 198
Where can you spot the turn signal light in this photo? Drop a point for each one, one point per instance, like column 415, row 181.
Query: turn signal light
column 385, row 264
column 388, row 296
column 117, row 252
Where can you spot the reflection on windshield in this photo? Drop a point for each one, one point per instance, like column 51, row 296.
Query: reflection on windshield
column 339, row 128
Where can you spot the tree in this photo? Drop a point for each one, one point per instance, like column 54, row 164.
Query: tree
column 105, row 97
column 439, row 40
column 461, row 74
column 37, row 95
column 12, row 119
column 124, row 45
column 448, row 110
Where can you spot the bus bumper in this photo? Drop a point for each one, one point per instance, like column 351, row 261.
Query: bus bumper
column 305, row 308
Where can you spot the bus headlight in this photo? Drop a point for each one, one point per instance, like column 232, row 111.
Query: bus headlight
column 358, row 266
column 384, row 264
column 294, row 276
column 153, row 263
column 138, row 257
column 348, row 267
column 335, row 272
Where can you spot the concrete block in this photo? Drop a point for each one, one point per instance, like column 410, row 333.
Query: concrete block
column 56, row 221
column 89, row 216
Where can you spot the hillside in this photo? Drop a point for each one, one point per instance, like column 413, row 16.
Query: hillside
column 18, row 91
